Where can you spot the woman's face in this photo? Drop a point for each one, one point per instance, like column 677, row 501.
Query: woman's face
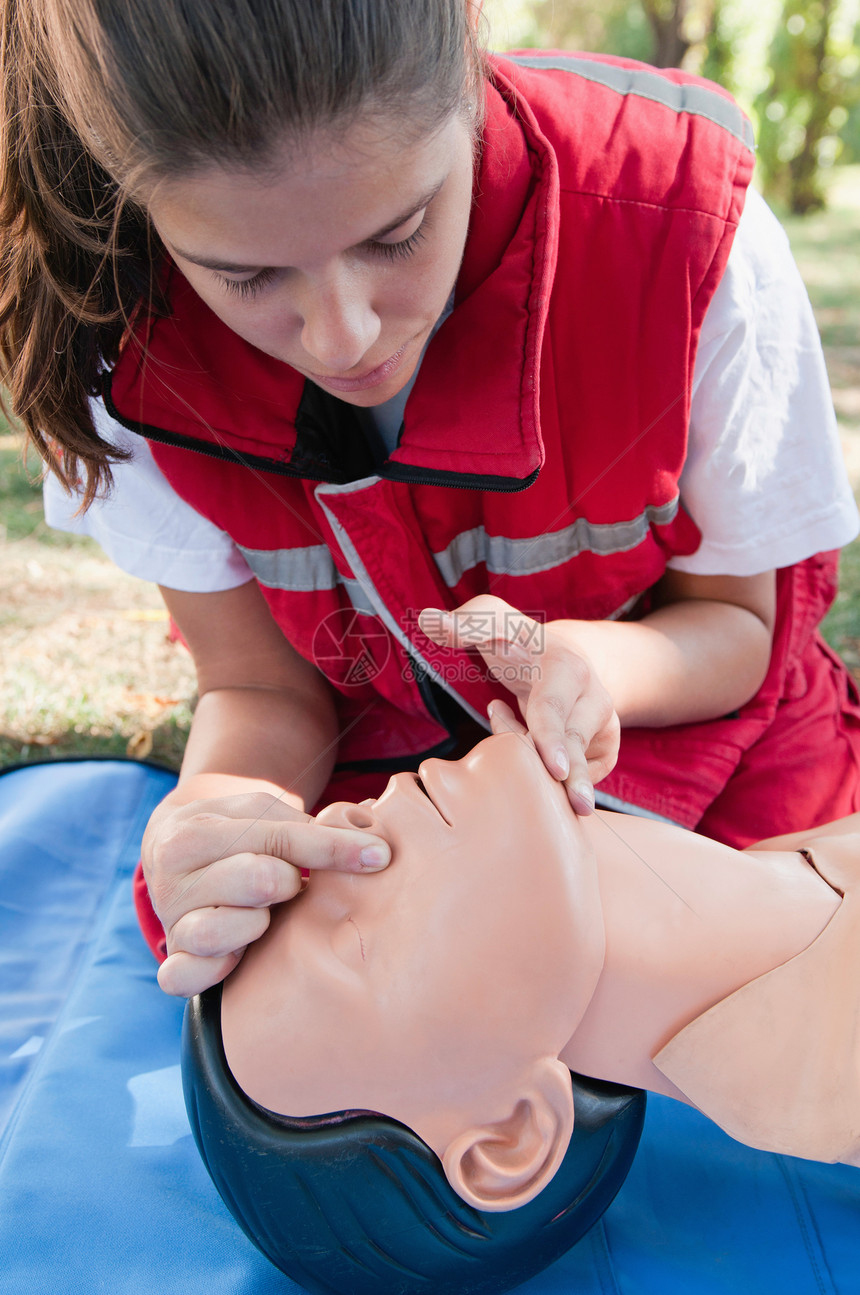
column 339, row 258
column 432, row 985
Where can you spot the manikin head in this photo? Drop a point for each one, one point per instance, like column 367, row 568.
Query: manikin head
column 441, row 991
column 405, row 1029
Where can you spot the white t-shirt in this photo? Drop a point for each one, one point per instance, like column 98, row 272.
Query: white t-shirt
column 764, row 478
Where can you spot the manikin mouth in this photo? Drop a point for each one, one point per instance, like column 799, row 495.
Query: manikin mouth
column 421, row 786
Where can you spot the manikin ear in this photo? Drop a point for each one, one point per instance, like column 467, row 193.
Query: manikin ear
column 503, row 1165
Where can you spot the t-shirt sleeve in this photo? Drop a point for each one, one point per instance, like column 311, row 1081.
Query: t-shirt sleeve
column 764, row 479
column 144, row 526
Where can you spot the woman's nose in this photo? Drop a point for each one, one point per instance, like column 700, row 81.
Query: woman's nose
column 340, row 325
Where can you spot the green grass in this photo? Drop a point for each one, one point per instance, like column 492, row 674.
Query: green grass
column 21, row 514
column 86, row 667
column 168, row 745
column 20, row 499
column 826, row 246
column 842, row 626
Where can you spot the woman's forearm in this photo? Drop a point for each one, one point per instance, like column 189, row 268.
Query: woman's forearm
column 259, row 739
column 266, row 719
column 688, row 661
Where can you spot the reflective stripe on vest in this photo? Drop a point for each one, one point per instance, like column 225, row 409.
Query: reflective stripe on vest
column 311, row 569
column 304, row 571
column 695, row 100
column 530, row 555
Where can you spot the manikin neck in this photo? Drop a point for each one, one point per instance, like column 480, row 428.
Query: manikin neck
column 684, row 929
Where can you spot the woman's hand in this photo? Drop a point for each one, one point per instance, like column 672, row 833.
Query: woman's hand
column 566, row 709
column 214, row 867
column 232, row 838
column 702, row 652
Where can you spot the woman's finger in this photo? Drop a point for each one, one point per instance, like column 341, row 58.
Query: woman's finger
column 565, row 712
column 602, row 754
column 193, row 841
column 184, row 975
column 589, row 765
column 241, row 881
column 216, row 932
column 577, row 784
column 557, row 714
column 485, row 622
column 503, row 719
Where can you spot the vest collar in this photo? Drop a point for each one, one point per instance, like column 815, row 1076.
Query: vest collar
column 472, row 416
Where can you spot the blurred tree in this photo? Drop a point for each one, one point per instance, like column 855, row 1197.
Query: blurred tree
column 666, row 19
column 793, row 64
column 663, row 32
column 813, row 84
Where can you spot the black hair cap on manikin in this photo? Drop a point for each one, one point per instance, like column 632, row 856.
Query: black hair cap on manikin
column 356, row 1203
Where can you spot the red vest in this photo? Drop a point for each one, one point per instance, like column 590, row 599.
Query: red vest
column 542, row 442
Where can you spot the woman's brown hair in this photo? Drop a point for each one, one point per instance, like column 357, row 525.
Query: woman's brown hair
column 104, row 98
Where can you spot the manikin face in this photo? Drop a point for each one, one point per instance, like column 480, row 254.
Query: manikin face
column 427, row 992
column 338, row 259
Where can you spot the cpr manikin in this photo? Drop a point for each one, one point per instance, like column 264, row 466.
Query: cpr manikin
column 510, row 941
column 508, row 944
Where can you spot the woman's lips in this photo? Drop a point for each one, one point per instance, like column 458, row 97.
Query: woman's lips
column 373, row 377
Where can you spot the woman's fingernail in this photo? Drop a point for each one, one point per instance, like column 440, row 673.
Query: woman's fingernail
column 585, row 792
column 373, row 857
column 433, row 621
column 562, row 760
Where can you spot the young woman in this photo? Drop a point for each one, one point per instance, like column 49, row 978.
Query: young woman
column 428, row 380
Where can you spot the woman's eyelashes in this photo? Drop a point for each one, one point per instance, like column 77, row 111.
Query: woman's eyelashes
column 405, row 247
column 248, row 287
column 400, row 250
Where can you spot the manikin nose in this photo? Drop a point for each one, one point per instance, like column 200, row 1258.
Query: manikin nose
column 340, row 326
column 343, row 814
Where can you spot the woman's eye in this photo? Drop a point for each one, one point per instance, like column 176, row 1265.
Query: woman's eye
column 248, row 287
column 390, row 251
column 406, row 246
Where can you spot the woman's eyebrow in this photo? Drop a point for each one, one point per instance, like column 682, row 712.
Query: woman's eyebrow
column 423, row 201
column 209, row 262
column 230, row 267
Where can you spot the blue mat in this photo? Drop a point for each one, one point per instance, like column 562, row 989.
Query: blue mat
column 101, row 1189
